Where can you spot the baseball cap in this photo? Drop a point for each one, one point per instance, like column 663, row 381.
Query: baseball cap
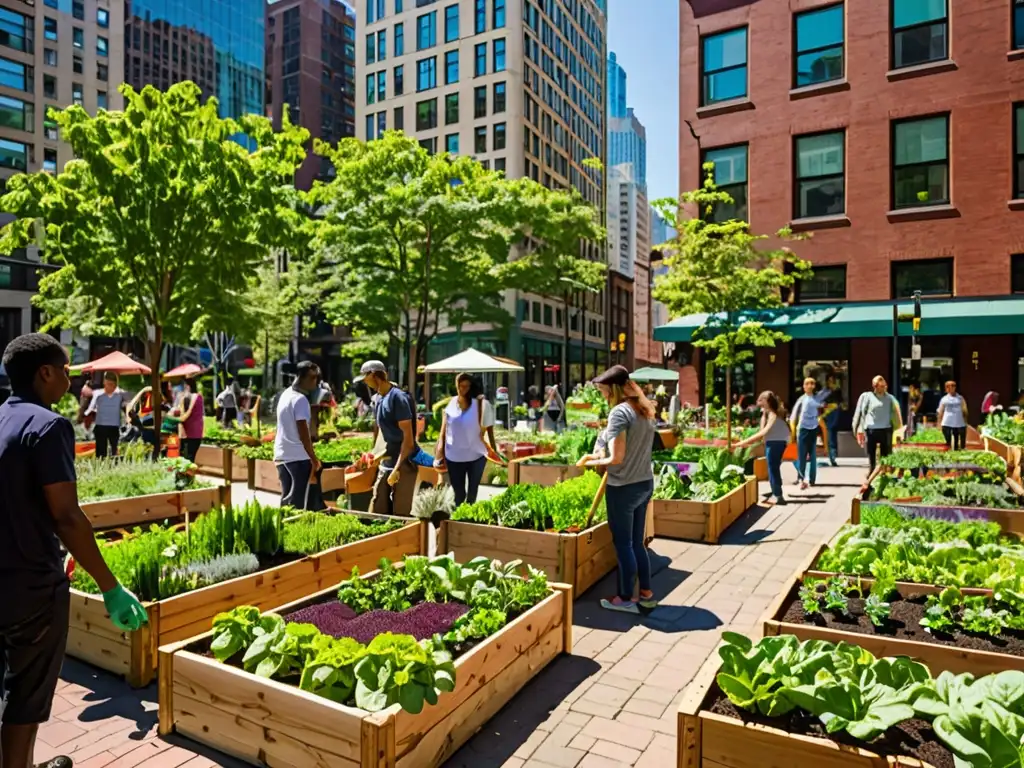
column 370, row 366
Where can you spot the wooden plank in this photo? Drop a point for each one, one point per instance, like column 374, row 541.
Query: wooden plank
column 547, row 474
column 566, row 590
column 761, row 468
column 99, row 651
column 688, row 732
column 199, row 500
column 595, row 557
column 332, row 479
column 127, row 513
column 143, row 649
column 88, row 614
column 265, row 477
column 210, row 460
column 536, row 548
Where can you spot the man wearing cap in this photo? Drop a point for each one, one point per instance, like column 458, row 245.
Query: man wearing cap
column 393, row 413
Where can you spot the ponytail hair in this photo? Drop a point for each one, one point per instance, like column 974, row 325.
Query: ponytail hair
column 632, row 394
column 773, row 403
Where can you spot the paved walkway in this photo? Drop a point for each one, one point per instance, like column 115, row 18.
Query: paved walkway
column 611, row 703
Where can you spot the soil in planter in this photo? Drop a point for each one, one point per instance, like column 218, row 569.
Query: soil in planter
column 903, row 624
column 912, row 738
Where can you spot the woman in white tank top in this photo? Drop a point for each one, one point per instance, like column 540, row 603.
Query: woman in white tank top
column 461, row 443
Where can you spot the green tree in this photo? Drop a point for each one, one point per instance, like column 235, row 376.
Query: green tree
column 410, row 243
column 721, row 269
column 161, row 218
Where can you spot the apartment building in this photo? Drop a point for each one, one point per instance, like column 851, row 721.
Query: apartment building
column 519, row 85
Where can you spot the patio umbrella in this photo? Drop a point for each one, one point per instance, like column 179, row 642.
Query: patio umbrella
column 472, row 361
column 185, row 371
column 654, row 374
column 115, row 362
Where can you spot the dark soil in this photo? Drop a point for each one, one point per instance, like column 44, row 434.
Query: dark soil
column 912, row 738
column 903, row 624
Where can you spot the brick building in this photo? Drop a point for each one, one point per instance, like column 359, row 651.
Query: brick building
column 894, row 132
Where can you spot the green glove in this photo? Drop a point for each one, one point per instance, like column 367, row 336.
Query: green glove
column 126, row 612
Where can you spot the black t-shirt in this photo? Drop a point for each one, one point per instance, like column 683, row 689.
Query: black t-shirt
column 394, row 407
column 37, row 448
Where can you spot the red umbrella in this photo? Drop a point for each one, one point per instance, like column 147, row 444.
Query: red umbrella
column 185, row 371
column 115, row 362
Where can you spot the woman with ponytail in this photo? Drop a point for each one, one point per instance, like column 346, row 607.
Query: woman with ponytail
column 630, row 440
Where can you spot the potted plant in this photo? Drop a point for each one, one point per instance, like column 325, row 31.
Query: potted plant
column 434, row 504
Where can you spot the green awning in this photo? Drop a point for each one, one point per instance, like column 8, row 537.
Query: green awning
column 939, row 317
column 654, row 374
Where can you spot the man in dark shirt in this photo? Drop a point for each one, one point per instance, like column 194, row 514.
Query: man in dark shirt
column 38, row 510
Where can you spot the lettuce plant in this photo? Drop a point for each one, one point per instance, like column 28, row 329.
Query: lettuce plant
column 876, row 610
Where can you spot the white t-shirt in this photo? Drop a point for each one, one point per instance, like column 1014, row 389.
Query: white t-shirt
column 292, row 407
column 952, row 411
column 463, row 441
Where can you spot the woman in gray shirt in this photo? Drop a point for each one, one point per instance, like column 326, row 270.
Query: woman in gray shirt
column 630, row 440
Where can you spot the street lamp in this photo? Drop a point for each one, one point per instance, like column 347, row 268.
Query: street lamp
column 576, row 284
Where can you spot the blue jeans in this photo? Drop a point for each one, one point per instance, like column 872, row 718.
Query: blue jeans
column 627, row 516
column 806, row 450
column 463, row 473
column 773, row 450
column 832, row 424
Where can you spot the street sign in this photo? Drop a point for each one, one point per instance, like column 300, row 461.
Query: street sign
column 915, row 352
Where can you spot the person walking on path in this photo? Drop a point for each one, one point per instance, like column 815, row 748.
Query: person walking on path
column 806, row 412
column 297, row 465
column 191, row 417
column 394, row 423
column 776, row 433
column 630, row 441
column 876, row 414
column 460, row 445
column 227, row 402
column 952, row 416
column 834, row 407
column 109, row 406
column 39, row 510
column 554, row 407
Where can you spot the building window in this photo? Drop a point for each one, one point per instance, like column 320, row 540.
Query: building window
column 1017, row 273
column 399, row 39
column 920, row 169
column 499, row 55
column 50, row 29
column 499, row 136
column 820, row 169
column 382, row 45
column 451, row 143
column 398, row 6
column 102, row 72
column 451, row 67
column 371, row 124
column 426, row 74
column 426, row 31
column 382, row 123
column 101, row 46
column 826, row 284
column 380, row 9
column 480, row 17
column 101, row 99
column 371, row 48
column 932, row 277
column 102, row 18
column 50, row 86
column 499, row 14
column 371, row 12
column 76, row 93
column 499, row 98
column 50, row 57
column 382, row 85
column 499, row 165
column 819, row 46
column 50, row 160
column 16, row 75
column 13, row 154
column 731, row 177
column 16, row 31
column 1018, row 151
column 77, row 37
column 17, row 114
column 399, row 118
column 426, row 115
column 480, row 60
column 535, row 310
column 451, row 109
column 399, row 84
column 50, row 130
column 724, row 66
column 480, row 101
column 451, row 23
column 371, row 89
column 919, row 32
column 76, row 64
column 1018, row 24
column 480, row 139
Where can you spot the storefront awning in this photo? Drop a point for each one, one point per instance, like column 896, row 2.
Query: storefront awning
column 939, row 317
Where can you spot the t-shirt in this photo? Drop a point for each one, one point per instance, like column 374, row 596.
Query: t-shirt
column 109, row 408
column 779, row 431
column 807, row 409
column 37, row 448
column 639, row 433
column 194, row 423
column 393, row 408
column 463, row 439
column 292, row 407
column 227, row 399
column 952, row 411
column 874, row 412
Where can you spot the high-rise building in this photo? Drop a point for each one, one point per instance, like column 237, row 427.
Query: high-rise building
column 53, row 53
column 217, row 44
column 627, row 143
column 661, row 232
column 310, row 58
column 518, row 84
column 616, row 78
column 629, row 264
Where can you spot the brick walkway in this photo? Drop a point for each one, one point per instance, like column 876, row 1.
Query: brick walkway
column 611, row 703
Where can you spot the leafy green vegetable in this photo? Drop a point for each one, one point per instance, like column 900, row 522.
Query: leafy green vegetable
column 876, row 610
column 560, row 507
column 234, row 630
column 809, row 596
column 835, row 596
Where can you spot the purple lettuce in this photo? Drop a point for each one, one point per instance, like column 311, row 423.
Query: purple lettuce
column 330, row 618
column 421, row 621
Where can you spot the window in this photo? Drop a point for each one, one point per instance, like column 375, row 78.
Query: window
column 101, row 46
column 480, row 17
column 76, row 64
column 17, row 114
column 480, row 139
column 16, row 75
column 102, row 73
column 77, row 37
column 380, row 9
column 426, row 74
column 451, row 109
column 480, row 101
column 426, row 31
column 919, row 32
column 399, row 118
column 480, row 60
column 920, row 168
column 451, row 143
column 398, row 6
column 827, row 284
column 371, row 126
column 50, row 160
column 499, row 136
column 1017, row 273
column 819, row 46
column 1018, row 24
column 499, row 98
column 547, row 314
column 382, row 123
column 50, row 130
column 13, row 154
column 76, row 93
column 50, row 86
column 50, row 28
column 430, row 145
column 371, row 89
column 371, row 13
column 382, row 45
column 730, row 177
column 399, row 39
column 78, row 9
column 399, row 84
column 1018, row 151
column 16, row 31
column 426, row 115
column 451, row 67
column 535, row 309
column 932, row 277
column 820, row 169
column 451, row 23
column 499, row 14
column 101, row 99
column 724, row 66
column 499, row 55
column 382, row 85
column 371, row 48
column 50, row 57
column 102, row 17
column 499, row 165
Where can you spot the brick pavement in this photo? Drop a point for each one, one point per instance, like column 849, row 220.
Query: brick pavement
column 611, row 703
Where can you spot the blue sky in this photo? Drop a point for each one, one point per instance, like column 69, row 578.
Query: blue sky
column 644, row 35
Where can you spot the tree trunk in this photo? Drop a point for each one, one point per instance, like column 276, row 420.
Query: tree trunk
column 156, row 398
column 565, row 346
column 728, row 406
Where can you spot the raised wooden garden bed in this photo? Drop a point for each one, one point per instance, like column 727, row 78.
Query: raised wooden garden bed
column 221, row 461
column 761, row 468
column 703, row 520
column 669, row 438
column 156, row 507
column 268, row 723
column 1010, row 520
column 262, row 475
column 520, row 471
column 1011, row 454
column 92, row 638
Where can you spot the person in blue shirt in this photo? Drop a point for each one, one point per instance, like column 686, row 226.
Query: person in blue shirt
column 806, row 412
column 38, row 511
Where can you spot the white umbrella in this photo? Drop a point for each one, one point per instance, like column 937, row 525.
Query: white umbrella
column 472, row 361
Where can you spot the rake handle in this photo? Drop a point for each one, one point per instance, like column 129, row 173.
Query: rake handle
column 597, row 499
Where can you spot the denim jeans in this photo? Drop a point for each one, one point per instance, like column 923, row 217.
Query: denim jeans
column 462, row 472
column 627, row 516
column 806, row 454
column 832, row 425
column 296, row 490
column 773, row 450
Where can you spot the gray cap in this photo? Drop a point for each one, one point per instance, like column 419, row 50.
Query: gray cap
column 370, row 366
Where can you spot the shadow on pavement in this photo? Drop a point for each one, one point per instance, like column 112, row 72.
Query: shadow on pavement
column 111, row 697
column 219, row 758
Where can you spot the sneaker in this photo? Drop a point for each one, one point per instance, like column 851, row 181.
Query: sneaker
column 780, row 502
column 61, row 761
column 833, row 462
column 620, row 605
column 648, row 600
column 803, row 485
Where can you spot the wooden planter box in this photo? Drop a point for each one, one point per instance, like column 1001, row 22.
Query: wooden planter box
column 1010, row 520
column 92, row 638
column 541, row 474
column 1011, row 454
column 268, row 723
column 669, row 439
column 218, row 461
column 578, row 559
column 262, row 476
column 703, row 520
column 156, row 507
column 761, row 468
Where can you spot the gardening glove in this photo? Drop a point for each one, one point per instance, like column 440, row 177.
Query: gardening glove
column 394, row 477
column 126, row 612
